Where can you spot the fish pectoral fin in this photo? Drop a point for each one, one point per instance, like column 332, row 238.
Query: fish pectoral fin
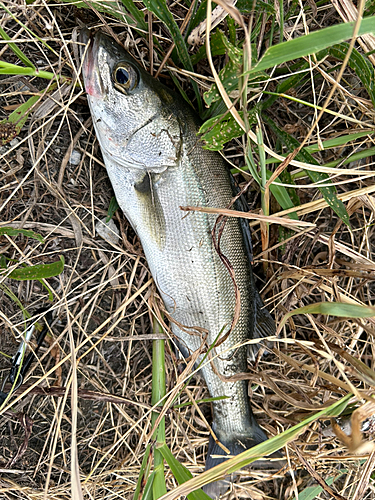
column 144, row 185
column 151, row 209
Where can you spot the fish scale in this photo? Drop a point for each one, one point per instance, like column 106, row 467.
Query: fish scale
column 156, row 164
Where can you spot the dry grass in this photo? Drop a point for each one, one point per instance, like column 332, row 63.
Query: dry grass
column 93, row 416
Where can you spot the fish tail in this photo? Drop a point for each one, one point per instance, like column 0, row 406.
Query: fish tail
column 236, row 444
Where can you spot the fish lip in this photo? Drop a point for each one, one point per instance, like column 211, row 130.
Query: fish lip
column 88, row 50
column 85, row 38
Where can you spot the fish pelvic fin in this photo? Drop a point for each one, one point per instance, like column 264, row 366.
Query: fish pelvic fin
column 236, row 445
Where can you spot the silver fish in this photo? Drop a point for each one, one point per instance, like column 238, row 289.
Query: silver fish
column 156, row 164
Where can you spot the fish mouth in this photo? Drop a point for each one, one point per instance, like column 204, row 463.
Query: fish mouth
column 88, row 50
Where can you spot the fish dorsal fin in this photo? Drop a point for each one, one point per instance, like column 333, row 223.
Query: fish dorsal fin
column 265, row 325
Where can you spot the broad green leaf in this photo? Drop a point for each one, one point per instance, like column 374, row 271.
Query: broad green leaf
column 162, row 12
column 229, row 76
column 218, row 48
column 231, row 30
column 339, row 309
column 286, row 177
column 311, row 43
column 26, row 61
column 197, row 17
column 329, row 193
column 370, row 8
column 11, row 231
column 217, row 130
column 39, row 271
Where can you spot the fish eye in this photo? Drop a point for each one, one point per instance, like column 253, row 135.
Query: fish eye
column 122, row 76
column 125, row 77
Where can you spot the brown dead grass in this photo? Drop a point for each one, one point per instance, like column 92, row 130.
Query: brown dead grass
column 100, row 340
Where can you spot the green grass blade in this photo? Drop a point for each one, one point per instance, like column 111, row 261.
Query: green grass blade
column 17, row 119
column 311, row 43
column 13, row 69
column 263, row 449
column 341, row 140
column 281, row 195
column 358, row 63
column 311, row 492
column 26, row 28
column 329, row 193
column 161, row 11
column 110, row 7
column 11, row 231
column 138, row 15
column 15, row 299
column 21, row 56
column 39, row 271
column 366, row 153
column 158, row 486
column 339, row 309
column 363, row 371
column 148, row 493
column 292, row 82
column 144, row 472
column 181, row 473
column 158, row 392
column 113, row 206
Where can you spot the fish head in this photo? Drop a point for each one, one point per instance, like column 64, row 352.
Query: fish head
column 134, row 115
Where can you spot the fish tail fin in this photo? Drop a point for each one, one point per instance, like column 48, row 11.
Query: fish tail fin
column 236, row 445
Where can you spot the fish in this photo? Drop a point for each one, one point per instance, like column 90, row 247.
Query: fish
column 157, row 164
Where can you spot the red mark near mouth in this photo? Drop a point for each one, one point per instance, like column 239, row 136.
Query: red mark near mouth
column 89, row 73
